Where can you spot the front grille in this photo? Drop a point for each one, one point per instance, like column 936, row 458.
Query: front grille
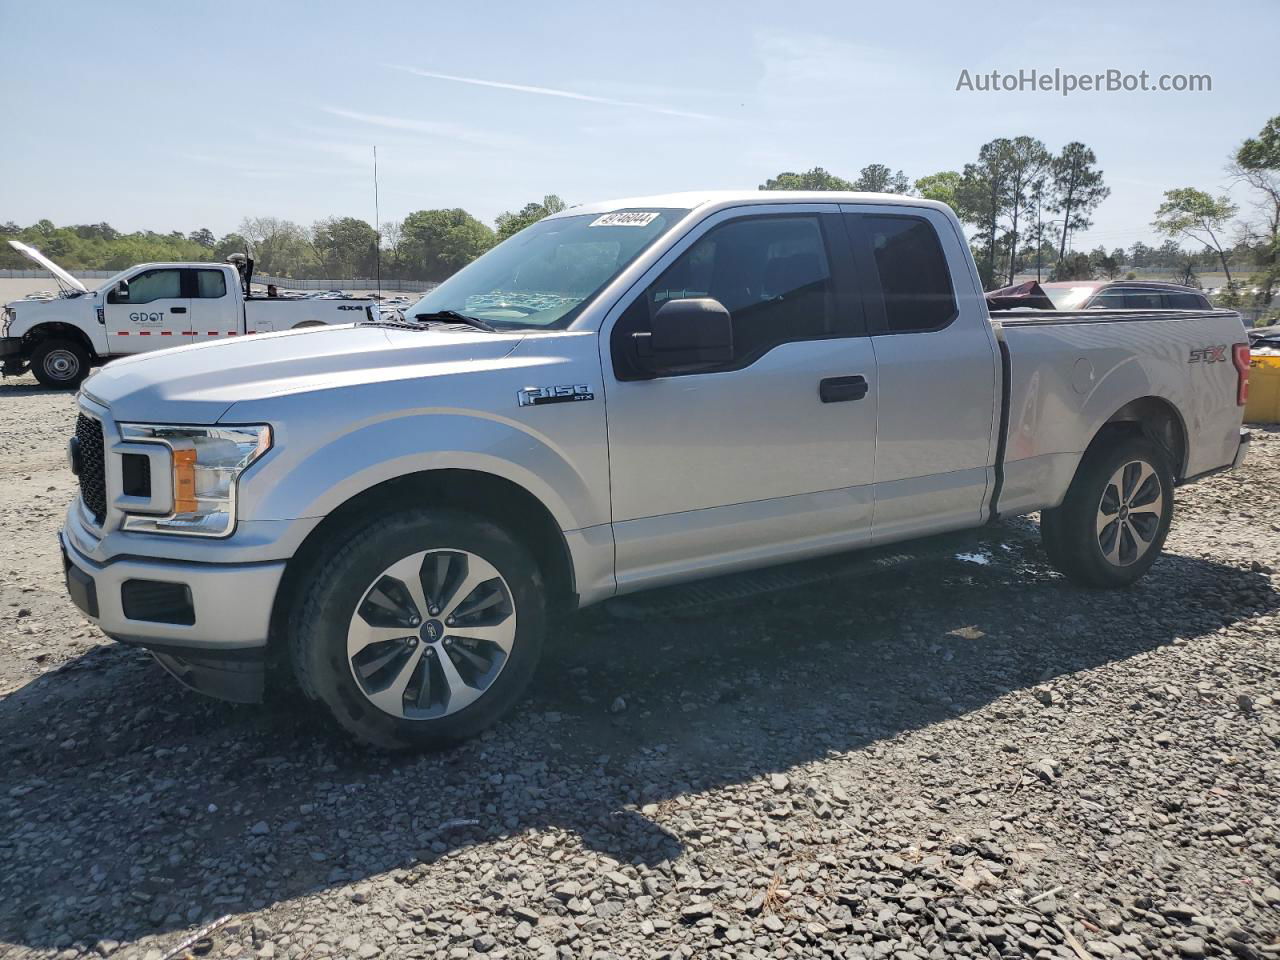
column 93, row 478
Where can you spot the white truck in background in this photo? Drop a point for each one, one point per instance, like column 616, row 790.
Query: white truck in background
column 148, row 307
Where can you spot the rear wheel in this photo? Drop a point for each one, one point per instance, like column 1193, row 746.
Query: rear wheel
column 1115, row 517
column 60, row 364
column 422, row 629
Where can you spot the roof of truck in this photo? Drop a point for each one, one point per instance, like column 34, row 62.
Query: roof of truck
column 697, row 198
column 1099, row 284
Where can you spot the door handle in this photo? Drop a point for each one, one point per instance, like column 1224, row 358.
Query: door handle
column 840, row 389
column 177, row 309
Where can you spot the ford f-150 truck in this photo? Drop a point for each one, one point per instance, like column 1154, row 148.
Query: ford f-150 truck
column 147, row 307
column 621, row 396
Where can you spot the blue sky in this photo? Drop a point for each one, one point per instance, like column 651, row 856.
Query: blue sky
column 169, row 116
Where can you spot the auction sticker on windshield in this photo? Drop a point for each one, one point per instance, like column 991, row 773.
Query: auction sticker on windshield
column 629, row 219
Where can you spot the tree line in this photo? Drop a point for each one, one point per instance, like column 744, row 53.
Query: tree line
column 1023, row 202
column 425, row 245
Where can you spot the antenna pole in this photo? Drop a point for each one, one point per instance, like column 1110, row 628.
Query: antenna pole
column 377, row 223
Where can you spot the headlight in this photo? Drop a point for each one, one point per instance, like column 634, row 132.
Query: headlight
column 7, row 316
column 207, row 463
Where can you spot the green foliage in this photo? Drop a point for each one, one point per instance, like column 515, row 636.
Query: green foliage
column 509, row 223
column 939, row 186
column 1263, row 151
column 279, row 247
column 873, row 178
column 982, row 198
column 231, row 243
column 1074, row 266
column 436, row 243
column 1106, row 265
column 97, row 246
column 1194, row 214
column 815, row 179
column 345, row 247
column 877, row 178
column 1077, row 189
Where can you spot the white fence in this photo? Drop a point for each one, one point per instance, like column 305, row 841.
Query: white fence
column 357, row 283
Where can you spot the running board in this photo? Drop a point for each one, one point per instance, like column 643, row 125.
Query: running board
column 750, row 583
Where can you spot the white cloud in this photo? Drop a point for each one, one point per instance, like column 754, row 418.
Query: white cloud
column 566, row 94
column 448, row 131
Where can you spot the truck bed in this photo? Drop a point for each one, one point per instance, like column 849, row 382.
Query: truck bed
column 262, row 314
column 1068, row 373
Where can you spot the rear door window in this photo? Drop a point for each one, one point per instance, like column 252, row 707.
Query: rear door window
column 911, row 267
column 210, row 284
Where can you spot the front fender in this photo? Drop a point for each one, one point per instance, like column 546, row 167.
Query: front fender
column 298, row 479
column 79, row 313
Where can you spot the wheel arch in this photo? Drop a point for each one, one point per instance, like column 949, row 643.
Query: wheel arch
column 486, row 495
column 1158, row 420
column 59, row 330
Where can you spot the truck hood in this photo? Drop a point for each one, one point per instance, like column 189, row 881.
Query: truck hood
column 197, row 384
column 31, row 253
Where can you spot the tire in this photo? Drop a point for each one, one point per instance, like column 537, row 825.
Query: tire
column 1113, row 522
column 60, row 364
column 399, row 677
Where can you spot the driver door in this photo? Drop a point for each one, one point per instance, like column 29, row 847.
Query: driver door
column 150, row 313
column 770, row 456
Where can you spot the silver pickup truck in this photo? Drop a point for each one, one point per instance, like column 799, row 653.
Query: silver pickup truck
column 622, row 396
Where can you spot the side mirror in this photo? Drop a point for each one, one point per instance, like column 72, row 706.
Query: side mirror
column 686, row 335
column 121, row 292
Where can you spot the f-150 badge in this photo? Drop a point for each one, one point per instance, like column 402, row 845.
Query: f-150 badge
column 565, row 393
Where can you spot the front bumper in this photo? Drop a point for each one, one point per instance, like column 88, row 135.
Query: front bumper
column 217, row 647
column 13, row 356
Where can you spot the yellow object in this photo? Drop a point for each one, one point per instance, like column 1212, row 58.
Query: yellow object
column 1264, row 390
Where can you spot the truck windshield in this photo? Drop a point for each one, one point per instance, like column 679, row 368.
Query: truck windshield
column 546, row 273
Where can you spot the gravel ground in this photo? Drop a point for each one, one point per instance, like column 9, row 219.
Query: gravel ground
column 972, row 759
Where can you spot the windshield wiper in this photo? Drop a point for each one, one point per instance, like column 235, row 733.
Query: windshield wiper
column 453, row 316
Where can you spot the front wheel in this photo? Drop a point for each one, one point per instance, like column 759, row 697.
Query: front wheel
column 60, row 364
column 421, row 629
column 1115, row 517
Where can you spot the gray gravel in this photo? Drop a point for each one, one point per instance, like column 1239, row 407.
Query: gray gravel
column 970, row 760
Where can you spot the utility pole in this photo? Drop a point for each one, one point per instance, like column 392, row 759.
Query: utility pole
column 377, row 224
column 1039, row 228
